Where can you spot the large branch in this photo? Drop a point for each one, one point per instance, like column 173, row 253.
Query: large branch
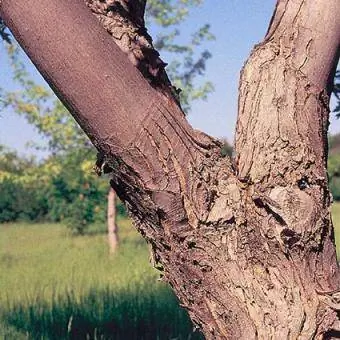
column 167, row 173
column 70, row 50
column 281, row 146
column 283, row 100
column 110, row 99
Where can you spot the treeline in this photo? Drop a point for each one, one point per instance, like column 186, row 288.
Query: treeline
column 62, row 188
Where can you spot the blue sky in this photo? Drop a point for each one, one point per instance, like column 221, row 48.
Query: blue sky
column 237, row 25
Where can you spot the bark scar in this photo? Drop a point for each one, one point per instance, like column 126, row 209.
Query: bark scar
column 330, row 298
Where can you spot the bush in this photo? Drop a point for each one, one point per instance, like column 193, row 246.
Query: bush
column 9, row 192
column 20, row 202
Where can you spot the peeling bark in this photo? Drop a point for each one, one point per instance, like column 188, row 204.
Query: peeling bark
column 248, row 247
column 124, row 21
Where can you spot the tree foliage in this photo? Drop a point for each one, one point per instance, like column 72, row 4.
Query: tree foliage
column 61, row 188
column 41, row 108
column 20, row 193
column 4, row 33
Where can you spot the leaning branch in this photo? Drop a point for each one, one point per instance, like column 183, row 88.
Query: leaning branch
column 104, row 92
column 142, row 133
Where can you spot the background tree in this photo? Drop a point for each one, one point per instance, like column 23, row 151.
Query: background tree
column 59, row 188
column 112, row 227
column 248, row 247
column 19, row 194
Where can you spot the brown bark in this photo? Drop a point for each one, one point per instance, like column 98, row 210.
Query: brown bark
column 248, row 248
column 112, row 228
column 124, row 21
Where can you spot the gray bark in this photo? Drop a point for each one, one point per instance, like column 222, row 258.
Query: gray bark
column 248, row 247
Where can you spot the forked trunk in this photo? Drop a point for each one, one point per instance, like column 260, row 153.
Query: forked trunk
column 248, row 246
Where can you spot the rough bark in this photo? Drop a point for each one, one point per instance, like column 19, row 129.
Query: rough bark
column 124, row 21
column 248, row 247
column 112, row 228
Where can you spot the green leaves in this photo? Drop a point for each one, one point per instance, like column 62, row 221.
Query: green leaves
column 42, row 109
column 4, row 34
column 62, row 187
column 169, row 12
column 189, row 63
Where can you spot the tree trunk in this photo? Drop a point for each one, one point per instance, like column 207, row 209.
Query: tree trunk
column 112, row 228
column 247, row 246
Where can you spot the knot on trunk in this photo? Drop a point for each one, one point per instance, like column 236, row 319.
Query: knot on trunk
column 295, row 210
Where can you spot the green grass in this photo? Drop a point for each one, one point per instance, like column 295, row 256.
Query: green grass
column 57, row 286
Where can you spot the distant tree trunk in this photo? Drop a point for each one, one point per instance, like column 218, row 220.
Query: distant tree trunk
column 248, row 246
column 112, row 228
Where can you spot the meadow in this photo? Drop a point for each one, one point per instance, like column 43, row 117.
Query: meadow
column 54, row 285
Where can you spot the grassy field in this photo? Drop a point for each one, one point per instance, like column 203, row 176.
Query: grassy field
column 57, row 286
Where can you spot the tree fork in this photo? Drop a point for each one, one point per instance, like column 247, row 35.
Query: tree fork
column 249, row 248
